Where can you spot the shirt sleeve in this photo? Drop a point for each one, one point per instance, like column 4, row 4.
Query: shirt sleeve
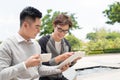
column 7, row 71
column 52, row 62
column 48, row 70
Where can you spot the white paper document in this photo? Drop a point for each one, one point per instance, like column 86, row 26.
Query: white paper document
column 71, row 58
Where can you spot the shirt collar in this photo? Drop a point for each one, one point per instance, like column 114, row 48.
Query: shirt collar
column 21, row 39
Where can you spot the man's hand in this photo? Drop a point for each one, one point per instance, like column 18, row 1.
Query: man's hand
column 63, row 56
column 77, row 59
column 32, row 61
column 65, row 67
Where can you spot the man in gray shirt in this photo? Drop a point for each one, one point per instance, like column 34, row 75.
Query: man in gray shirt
column 20, row 56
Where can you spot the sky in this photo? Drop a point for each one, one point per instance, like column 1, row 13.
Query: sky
column 88, row 12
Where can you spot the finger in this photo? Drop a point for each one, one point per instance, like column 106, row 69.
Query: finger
column 69, row 64
column 36, row 56
column 78, row 58
column 70, row 53
column 39, row 60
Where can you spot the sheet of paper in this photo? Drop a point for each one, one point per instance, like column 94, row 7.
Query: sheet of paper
column 71, row 58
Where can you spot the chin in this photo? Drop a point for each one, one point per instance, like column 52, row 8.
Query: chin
column 60, row 38
column 32, row 37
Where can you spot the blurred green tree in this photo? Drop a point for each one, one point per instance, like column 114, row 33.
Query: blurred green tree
column 75, row 43
column 113, row 13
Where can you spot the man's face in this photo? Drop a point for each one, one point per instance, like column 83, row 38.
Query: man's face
column 33, row 28
column 61, row 31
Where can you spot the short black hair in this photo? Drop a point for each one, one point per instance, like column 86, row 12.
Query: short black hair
column 29, row 12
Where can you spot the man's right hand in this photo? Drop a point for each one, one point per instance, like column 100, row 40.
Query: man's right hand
column 32, row 61
column 63, row 56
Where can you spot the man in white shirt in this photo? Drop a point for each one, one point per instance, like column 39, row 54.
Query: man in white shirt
column 20, row 56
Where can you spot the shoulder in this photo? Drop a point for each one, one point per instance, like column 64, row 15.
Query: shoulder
column 10, row 40
column 8, row 43
column 44, row 39
column 66, row 41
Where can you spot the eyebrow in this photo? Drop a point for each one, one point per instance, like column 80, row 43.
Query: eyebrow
column 37, row 25
column 63, row 29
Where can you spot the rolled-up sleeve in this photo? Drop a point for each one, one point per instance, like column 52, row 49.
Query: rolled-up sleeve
column 48, row 70
column 52, row 62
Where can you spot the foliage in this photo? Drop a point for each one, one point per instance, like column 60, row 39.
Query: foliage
column 91, row 36
column 103, row 34
column 103, row 45
column 112, row 50
column 109, row 50
column 113, row 13
column 47, row 28
column 113, row 35
column 96, row 52
column 74, row 42
column 98, row 34
column 103, row 41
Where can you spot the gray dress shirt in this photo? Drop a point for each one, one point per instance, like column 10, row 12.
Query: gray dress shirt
column 13, row 52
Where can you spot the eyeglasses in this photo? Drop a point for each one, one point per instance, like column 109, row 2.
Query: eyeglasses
column 61, row 30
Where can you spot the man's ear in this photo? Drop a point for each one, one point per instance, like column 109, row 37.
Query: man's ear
column 25, row 24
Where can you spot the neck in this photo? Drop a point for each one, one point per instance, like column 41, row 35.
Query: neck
column 23, row 35
column 55, row 38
